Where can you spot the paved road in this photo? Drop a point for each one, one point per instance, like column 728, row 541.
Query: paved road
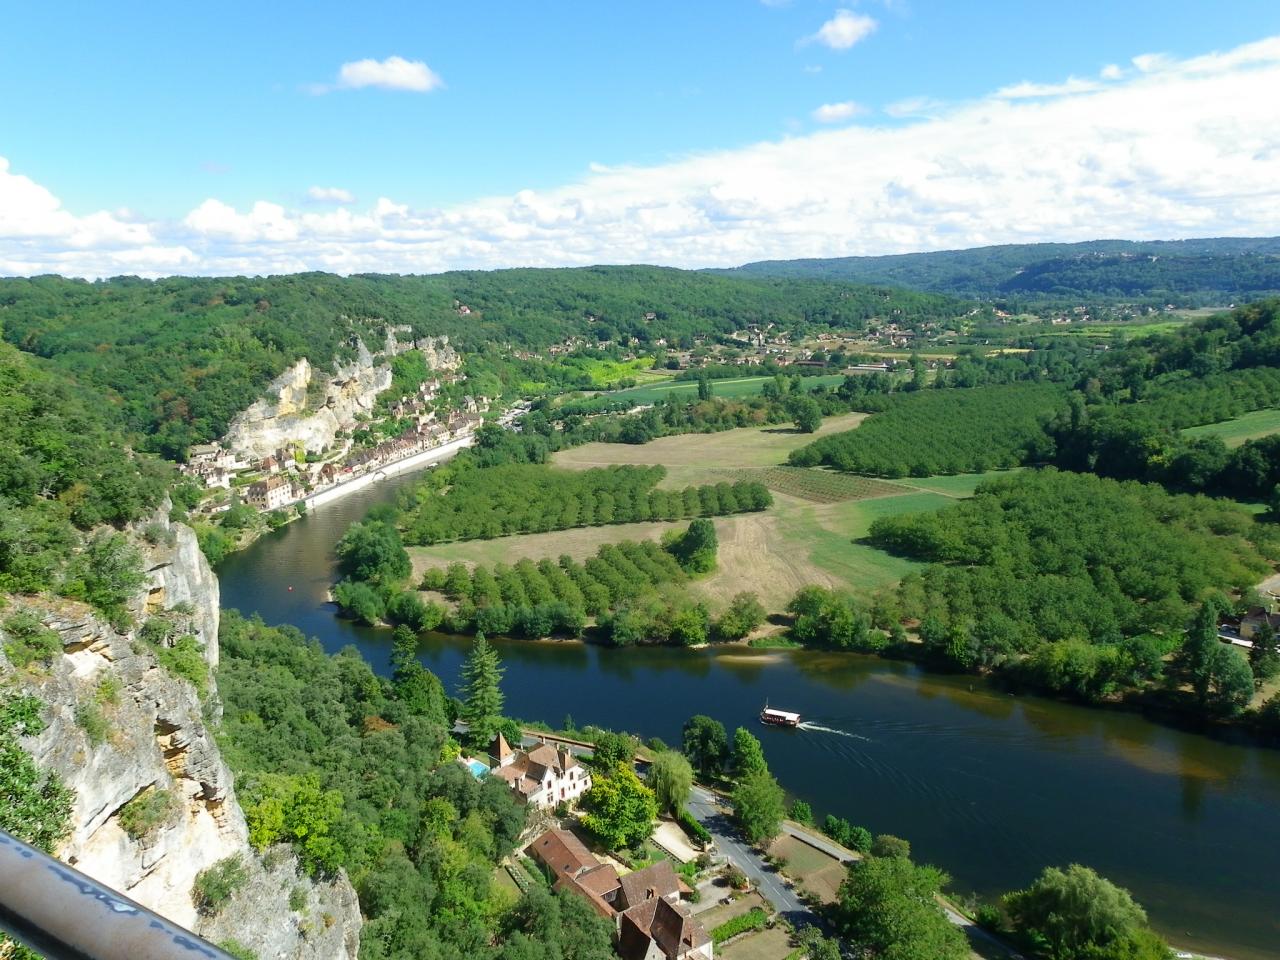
column 702, row 804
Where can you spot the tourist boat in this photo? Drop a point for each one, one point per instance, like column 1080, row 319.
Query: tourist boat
column 779, row 718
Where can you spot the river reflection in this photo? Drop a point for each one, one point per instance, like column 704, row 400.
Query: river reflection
column 989, row 786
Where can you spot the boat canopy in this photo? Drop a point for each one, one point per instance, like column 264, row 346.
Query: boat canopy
column 782, row 715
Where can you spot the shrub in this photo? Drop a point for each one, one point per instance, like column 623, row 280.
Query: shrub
column 30, row 641
column 989, row 918
column 887, row 845
column 147, row 812
column 108, row 691
column 736, row 878
column 801, row 812
column 185, row 659
column 753, row 919
column 693, row 828
column 237, row 950
column 90, row 719
column 297, row 899
column 217, row 884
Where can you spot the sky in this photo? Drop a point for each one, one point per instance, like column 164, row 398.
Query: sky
column 272, row 137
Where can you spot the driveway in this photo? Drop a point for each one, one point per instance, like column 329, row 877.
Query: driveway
column 731, row 846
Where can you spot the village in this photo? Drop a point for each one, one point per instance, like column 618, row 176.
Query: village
column 290, row 475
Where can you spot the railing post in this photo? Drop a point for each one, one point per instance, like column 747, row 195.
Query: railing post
column 57, row 911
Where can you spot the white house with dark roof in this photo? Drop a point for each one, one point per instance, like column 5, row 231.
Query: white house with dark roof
column 541, row 777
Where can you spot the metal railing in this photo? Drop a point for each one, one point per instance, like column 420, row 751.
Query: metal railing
column 57, row 911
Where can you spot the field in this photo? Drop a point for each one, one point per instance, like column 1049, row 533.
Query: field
column 1251, row 426
column 695, row 458
column 724, row 912
column 606, row 372
column 809, row 867
column 816, row 485
column 959, row 485
column 729, row 389
column 1105, row 330
column 772, row 944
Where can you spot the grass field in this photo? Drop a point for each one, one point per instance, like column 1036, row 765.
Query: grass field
column 1251, row 426
column 1107, row 330
column 772, row 944
column 811, row 868
column 959, row 485
column 693, row 458
column 817, row 485
column 729, row 389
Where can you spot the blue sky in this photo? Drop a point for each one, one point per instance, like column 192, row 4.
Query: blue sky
column 145, row 111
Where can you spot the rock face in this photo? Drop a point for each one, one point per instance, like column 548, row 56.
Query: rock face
column 296, row 414
column 153, row 751
column 180, row 577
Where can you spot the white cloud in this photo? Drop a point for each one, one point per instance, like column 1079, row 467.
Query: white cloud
column 330, row 195
column 1149, row 62
column 915, row 107
column 843, row 30
column 1191, row 148
column 835, row 112
column 1027, row 90
column 393, row 73
column 1111, row 72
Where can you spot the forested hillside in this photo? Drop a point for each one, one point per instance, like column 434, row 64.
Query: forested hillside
column 66, row 469
column 1210, row 271
column 356, row 771
column 181, row 356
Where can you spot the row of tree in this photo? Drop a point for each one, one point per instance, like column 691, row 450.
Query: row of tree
column 527, row 498
column 944, row 432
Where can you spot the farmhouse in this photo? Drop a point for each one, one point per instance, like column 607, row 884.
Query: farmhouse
column 541, row 777
column 650, row 922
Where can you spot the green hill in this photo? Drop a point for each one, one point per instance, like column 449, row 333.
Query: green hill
column 1190, row 272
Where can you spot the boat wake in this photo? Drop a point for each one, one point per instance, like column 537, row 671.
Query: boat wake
column 819, row 728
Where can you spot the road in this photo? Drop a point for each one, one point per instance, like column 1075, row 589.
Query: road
column 702, row 804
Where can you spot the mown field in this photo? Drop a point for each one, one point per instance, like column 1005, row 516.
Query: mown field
column 696, row 458
column 730, row 389
column 1250, row 426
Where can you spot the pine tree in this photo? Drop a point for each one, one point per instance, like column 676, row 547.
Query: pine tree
column 482, row 701
column 1200, row 649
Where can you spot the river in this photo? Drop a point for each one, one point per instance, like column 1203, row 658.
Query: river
column 990, row 787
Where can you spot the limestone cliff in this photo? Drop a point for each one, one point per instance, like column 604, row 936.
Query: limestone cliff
column 299, row 411
column 154, row 802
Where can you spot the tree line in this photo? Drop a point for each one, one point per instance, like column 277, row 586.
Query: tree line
column 529, row 498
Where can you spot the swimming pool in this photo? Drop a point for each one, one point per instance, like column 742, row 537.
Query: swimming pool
column 478, row 769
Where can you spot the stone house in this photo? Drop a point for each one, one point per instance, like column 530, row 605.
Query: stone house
column 650, row 921
column 541, row 777
column 269, row 494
